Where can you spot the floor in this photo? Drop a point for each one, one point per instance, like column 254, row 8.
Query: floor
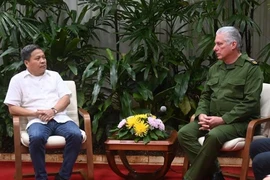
column 101, row 171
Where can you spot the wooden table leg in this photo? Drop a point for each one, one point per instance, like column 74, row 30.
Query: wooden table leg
column 158, row 174
column 168, row 158
column 125, row 162
column 113, row 165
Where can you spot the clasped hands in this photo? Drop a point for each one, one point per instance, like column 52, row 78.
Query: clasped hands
column 209, row 122
column 45, row 114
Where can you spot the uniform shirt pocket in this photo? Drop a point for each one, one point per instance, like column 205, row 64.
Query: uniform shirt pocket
column 235, row 89
column 212, row 83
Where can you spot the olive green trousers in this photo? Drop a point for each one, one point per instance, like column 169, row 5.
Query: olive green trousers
column 203, row 158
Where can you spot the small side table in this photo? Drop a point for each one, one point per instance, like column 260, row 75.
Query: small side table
column 168, row 147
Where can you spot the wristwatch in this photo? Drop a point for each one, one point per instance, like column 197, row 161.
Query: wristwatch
column 54, row 110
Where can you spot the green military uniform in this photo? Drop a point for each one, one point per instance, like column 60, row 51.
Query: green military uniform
column 231, row 92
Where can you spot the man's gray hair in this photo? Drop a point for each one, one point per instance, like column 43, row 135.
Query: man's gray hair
column 27, row 50
column 232, row 34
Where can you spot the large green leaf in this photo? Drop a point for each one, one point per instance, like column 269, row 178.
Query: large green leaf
column 185, row 105
column 113, row 70
column 126, row 104
column 182, row 81
column 73, row 67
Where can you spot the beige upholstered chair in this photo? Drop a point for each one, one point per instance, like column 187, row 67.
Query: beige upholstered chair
column 239, row 147
column 21, row 138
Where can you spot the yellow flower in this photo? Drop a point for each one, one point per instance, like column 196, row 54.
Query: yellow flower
column 141, row 116
column 141, row 128
column 132, row 120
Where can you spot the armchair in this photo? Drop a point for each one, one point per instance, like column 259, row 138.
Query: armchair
column 21, row 138
column 239, row 147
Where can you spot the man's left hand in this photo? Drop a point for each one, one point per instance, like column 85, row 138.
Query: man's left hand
column 45, row 115
column 211, row 122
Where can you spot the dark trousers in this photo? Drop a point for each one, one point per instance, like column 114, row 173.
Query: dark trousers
column 260, row 155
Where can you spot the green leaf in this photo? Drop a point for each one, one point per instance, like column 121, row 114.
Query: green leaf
column 114, row 130
column 153, row 135
column 72, row 45
column 137, row 139
column 146, row 139
column 89, row 70
column 73, row 67
column 159, row 133
column 95, row 123
column 182, row 81
column 121, row 134
column 185, row 105
column 82, row 14
column 126, row 104
column 97, row 85
column 113, row 69
column 99, row 133
column 9, row 51
column 80, row 98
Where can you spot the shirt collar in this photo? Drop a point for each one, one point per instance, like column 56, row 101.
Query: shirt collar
column 239, row 62
column 27, row 73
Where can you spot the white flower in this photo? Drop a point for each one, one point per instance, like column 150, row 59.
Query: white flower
column 152, row 121
column 161, row 126
column 122, row 123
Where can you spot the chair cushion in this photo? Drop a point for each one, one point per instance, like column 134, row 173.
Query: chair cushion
column 53, row 141
column 234, row 144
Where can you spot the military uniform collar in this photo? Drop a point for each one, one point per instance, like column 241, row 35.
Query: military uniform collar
column 239, row 62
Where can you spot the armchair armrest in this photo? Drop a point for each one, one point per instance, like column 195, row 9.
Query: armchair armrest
column 16, row 130
column 87, row 126
column 16, row 124
column 252, row 126
column 87, row 120
column 18, row 147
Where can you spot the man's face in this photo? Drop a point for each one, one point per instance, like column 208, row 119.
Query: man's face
column 37, row 63
column 222, row 48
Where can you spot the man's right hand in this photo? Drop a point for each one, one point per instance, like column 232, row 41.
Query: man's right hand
column 203, row 121
column 45, row 115
column 209, row 122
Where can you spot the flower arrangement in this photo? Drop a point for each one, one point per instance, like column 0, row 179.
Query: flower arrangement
column 140, row 127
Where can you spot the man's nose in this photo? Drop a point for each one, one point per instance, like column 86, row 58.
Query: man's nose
column 43, row 60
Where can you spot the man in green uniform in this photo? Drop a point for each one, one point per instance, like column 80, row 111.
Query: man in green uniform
column 230, row 99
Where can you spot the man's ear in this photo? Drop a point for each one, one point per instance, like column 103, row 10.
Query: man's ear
column 234, row 45
column 26, row 62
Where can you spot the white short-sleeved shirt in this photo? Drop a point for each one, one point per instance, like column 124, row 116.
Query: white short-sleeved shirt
column 37, row 92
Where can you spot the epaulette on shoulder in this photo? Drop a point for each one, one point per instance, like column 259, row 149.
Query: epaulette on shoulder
column 251, row 60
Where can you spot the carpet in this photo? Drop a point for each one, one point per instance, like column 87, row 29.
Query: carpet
column 101, row 171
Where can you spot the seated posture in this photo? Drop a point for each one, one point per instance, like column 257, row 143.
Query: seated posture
column 260, row 155
column 42, row 96
column 229, row 101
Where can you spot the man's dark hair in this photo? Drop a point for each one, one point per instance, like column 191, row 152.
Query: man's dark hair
column 27, row 50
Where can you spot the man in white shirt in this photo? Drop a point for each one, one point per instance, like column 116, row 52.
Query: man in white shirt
column 42, row 96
